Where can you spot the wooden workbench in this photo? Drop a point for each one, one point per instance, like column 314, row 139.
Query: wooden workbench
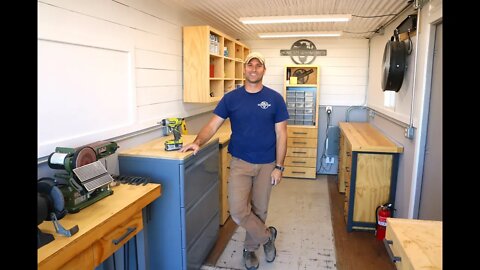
column 99, row 224
column 414, row 243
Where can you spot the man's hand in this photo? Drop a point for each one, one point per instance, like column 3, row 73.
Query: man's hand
column 276, row 177
column 192, row 146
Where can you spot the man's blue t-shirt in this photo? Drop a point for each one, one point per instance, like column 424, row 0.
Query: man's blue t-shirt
column 253, row 117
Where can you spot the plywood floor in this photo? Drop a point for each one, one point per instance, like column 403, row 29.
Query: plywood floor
column 300, row 210
column 353, row 251
column 356, row 250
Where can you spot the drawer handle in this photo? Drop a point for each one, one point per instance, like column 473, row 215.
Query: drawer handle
column 348, row 154
column 129, row 231
column 297, row 152
column 299, row 133
column 299, row 143
column 347, row 169
column 298, row 172
column 387, row 244
column 299, row 162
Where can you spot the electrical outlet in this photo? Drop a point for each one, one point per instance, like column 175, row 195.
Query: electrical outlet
column 409, row 132
column 329, row 160
column 328, row 109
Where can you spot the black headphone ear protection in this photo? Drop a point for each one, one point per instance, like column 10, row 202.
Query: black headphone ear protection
column 47, row 188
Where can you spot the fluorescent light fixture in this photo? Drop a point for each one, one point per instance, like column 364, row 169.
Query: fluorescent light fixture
column 300, row 34
column 297, row 19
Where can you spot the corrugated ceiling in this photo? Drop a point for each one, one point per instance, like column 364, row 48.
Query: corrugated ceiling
column 368, row 16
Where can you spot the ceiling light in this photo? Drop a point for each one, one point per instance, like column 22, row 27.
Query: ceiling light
column 300, row 34
column 297, row 19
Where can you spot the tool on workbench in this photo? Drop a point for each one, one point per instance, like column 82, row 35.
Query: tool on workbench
column 51, row 206
column 85, row 180
column 132, row 180
column 177, row 126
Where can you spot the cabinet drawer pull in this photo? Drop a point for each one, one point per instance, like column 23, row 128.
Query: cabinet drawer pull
column 299, row 152
column 299, row 162
column 299, row 143
column 348, row 154
column 304, row 133
column 347, row 169
column 129, row 231
column 387, row 244
column 298, row 172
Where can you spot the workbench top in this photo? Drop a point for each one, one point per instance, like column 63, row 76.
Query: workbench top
column 95, row 223
column 417, row 242
column 156, row 148
column 364, row 137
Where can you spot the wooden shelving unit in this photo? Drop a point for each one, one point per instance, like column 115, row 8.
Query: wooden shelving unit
column 212, row 63
column 302, row 97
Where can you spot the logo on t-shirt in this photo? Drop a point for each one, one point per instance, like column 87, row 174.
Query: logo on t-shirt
column 264, row 105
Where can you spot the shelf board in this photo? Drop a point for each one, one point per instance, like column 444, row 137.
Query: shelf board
column 301, row 85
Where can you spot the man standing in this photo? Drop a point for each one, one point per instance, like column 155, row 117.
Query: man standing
column 258, row 144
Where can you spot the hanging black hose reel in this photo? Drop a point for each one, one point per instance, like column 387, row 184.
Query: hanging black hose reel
column 394, row 64
column 395, row 55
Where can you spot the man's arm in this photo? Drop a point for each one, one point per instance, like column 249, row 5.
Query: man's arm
column 281, row 131
column 281, row 149
column 204, row 135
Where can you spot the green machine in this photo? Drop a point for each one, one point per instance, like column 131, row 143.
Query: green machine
column 84, row 179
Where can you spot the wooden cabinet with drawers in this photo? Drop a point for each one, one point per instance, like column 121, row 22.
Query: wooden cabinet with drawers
column 301, row 158
column 367, row 172
column 301, row 96
column 223, row 135
column 225, row 159
column 104, row 227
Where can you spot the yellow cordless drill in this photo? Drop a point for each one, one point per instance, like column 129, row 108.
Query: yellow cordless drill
column 178, row 127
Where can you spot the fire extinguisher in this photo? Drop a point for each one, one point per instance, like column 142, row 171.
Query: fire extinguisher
column 382, row 213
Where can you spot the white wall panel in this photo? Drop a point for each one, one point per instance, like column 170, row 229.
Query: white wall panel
column 158, row 43
column 158, row 94
column 62, row 25
column 149, row 31
column 156, row 60
column 345, row 67
column 170, row 109
column 158, row 77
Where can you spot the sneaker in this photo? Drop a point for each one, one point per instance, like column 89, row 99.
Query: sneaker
column 251, row 260
column 269, row 247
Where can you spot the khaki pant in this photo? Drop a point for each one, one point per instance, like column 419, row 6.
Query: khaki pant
column 249, row 187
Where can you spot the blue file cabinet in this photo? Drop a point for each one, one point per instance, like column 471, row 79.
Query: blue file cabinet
column 181, row 226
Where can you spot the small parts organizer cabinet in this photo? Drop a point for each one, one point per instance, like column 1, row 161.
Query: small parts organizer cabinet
column 301, row 96
column 368, row 169
column 212, row 64
column 414, row 244
column 182, row 226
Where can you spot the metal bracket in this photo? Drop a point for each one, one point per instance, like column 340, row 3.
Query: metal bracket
column 59, row 228
column 387, row 244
